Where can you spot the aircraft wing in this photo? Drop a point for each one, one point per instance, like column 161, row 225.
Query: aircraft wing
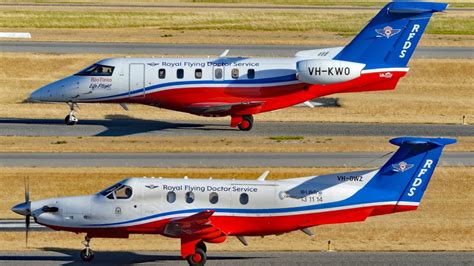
column 221, row 107
column 197, row 225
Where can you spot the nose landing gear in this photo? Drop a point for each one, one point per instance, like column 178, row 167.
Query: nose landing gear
column 71, row 118
column 87, row 254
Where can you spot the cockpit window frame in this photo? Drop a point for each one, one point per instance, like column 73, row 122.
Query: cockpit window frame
column 90, row 71
column 109, row 192
column 112, row 188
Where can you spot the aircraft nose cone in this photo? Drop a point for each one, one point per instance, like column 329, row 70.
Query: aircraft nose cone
column 22, row 209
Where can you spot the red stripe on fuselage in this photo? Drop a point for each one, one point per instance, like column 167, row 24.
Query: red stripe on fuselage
column 274, row 97
column 252, row 225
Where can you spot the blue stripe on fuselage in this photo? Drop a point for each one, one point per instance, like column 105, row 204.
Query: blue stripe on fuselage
column 236, row 211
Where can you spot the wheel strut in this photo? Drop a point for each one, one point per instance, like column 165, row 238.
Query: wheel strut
column 87, row 254
column 71, row 118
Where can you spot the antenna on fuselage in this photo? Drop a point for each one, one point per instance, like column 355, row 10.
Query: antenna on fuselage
column 224, row 54
column 263, row 176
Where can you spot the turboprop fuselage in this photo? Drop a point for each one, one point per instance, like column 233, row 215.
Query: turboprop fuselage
column 210, row 210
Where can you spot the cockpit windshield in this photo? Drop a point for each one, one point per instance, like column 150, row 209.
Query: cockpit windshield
column 97, row 70
column 117, row 191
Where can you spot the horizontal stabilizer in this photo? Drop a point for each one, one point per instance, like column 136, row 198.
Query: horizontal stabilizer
column 422, row 141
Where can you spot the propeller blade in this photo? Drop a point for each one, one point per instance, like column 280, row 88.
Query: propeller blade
column 28, row 204
column 27, row 190
column 27, row 223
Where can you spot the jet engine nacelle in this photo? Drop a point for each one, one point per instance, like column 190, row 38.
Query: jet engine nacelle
column 321, row 71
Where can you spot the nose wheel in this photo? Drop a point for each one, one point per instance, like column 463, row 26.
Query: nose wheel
column 71, row 118
column 87, row 254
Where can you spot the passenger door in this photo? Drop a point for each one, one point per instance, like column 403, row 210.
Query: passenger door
column 136, row 85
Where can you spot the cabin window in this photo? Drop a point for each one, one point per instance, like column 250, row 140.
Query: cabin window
column 235, row 73
column 171, row 197
column 180, row 73
column 198, row 73
column 244, row 198
column 162, row 73
column 251, row 73
column 189, row 197
column 97, row 70
column 218, row 73
column 213, row 198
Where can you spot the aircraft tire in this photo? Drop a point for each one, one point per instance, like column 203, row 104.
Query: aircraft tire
column 247, row 123
column 199, row 258
column 202, row 246
column 70, row 121
column 87, row 256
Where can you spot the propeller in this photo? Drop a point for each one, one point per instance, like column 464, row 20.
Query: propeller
column 25, row 209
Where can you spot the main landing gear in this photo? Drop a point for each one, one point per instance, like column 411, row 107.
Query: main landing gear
column 194, row 251
column 244, row 123
column 199, row 257
column 87, row 254
column 71, row 118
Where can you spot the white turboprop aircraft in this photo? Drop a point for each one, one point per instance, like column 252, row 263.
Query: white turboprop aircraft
column 241, row 87
column 204, row 210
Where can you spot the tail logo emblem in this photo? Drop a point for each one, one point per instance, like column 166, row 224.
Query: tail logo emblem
column 387, row 32
column 401, row 167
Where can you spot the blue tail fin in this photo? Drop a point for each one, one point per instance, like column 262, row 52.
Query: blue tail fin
column 390, row 38
column 406, row 175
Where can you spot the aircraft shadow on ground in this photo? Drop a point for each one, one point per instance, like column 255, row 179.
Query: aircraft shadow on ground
column 71, row 257
column 119, row 125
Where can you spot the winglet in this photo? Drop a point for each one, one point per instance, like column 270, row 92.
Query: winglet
column 263, row 176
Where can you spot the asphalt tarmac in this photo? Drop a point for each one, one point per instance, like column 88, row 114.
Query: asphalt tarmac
column 119, row 126
column 71, row 257
column 158, row 5
column 333, row 159
column 199, row 49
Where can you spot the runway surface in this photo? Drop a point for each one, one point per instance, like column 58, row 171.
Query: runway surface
column 18, row 225
column 210, row 127
column 199, row 49
column 333, row 159
column 204, row 6
column 61, row 257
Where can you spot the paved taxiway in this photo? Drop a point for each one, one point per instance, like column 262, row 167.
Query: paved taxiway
column 204, row 6
column 199, row 49
column 61, row 257
column 333, row 159
column 126, row 127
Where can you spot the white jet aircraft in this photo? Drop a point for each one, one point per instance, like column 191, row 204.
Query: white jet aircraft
column 241, row 87
column 204, row 210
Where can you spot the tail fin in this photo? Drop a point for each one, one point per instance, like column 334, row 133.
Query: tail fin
column 391, row 36
column 406, row 175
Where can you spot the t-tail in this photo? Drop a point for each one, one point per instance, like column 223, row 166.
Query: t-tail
column 405, row 177
column 390, row 38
